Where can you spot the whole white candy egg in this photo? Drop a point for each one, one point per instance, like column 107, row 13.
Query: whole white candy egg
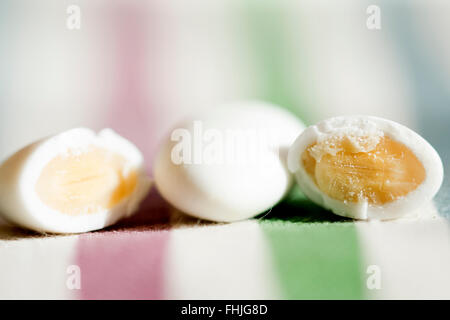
column 228, row 163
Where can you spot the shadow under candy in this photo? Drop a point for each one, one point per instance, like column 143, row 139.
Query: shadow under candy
column 297, row 208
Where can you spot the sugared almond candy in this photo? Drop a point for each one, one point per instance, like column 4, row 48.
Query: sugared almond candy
column 72, row 182
column 366, row 167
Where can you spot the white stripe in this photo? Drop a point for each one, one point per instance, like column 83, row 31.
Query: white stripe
column 220, row 262
column 59, row 70
column 348, row 69
column 36, row 268
column 413, row 257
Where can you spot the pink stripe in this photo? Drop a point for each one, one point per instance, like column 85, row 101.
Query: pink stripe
column 136, row 102
column 124, row 265
column 126, row 261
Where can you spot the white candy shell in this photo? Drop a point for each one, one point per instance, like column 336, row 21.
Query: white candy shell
column 403, row 207
column 227, row 191
column 20, row 204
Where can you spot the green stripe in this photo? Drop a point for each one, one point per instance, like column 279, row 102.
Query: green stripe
column 316, row 254
column 266, row 35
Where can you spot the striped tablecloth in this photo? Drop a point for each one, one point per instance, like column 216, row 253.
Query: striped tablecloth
column 137, row 67
column 295, row 251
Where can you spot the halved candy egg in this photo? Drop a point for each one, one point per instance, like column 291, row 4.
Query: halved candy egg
column 366, row 167
column 72, row 182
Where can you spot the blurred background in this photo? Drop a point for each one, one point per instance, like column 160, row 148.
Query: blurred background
column 140, row 66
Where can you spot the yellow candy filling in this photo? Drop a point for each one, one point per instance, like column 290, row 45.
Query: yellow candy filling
column 88, row 182
column 378, row 170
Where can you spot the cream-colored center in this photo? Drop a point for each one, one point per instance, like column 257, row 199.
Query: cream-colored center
column 88, row 182
column 378, row 170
